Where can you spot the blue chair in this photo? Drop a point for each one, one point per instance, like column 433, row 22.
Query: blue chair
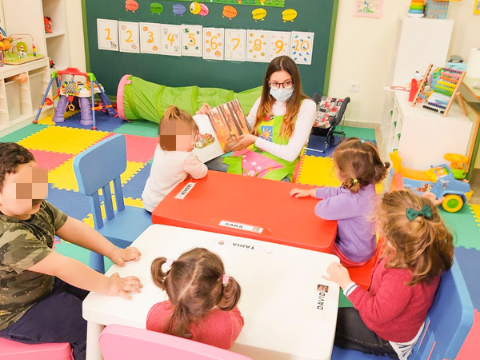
column 95, row 168
column 447, row 325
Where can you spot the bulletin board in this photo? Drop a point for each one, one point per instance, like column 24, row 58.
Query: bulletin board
column 313, row 16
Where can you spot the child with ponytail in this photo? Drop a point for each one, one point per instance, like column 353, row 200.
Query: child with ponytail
column 202, row 299
column 173, row 160
column 359, row 168
column 388, row 318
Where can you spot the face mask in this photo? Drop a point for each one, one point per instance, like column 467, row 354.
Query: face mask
column 281, row 94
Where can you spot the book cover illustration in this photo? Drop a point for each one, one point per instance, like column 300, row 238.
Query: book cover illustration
column 207, row 146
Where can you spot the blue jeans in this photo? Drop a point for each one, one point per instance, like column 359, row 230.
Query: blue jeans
column 352, row 333
column 55, row 319
column 217, row 164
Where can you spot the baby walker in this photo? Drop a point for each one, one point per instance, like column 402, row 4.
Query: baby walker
column 84, row 91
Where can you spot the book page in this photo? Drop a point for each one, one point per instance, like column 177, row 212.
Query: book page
column 229, row 123
column 207, row 146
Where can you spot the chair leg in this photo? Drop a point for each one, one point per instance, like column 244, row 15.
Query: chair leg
column 97, row 262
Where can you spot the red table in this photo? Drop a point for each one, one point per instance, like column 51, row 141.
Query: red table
column 248, row 207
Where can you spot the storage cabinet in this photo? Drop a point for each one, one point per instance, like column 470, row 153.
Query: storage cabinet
column 422, row 137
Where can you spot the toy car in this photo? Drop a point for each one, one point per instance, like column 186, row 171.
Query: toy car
column 438, row 180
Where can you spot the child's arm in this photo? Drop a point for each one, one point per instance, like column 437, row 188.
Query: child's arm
column 81, row 234
column 77, row 274
column 303, row 192
column 195, row 167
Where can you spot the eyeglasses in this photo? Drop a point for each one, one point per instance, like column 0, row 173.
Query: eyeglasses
column 287, row 84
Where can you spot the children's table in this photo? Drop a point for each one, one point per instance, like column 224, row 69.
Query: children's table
column 248, row 207
column 288, row 315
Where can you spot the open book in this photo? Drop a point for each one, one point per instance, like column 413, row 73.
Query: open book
column 219, row 130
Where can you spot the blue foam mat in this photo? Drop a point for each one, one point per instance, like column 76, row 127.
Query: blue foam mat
column 134, row 188
column 469, row 260
column 103, row 122
column 74, row 204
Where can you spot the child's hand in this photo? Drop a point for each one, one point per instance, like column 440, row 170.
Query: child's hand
column 204, row 110
column 338, row 274
column 119, row 256
column 121, row 286
column 431, row 196
column 302, row 192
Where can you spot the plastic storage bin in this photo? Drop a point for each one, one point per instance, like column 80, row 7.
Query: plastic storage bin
column 12, row 89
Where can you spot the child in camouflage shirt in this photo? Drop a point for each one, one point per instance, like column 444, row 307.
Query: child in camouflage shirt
column 41, row 291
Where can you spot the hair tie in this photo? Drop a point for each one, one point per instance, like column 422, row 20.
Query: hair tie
column 225, row 279
column 426, row 212
column 355, row 181
column 362, row 141
column 169, row 262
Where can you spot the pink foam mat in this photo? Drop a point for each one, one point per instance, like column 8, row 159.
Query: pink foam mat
column 49, row 160
column 140, row 148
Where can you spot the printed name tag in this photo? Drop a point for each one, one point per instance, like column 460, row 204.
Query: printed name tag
column 239, row 226
column 321, row 296
column 185, row 191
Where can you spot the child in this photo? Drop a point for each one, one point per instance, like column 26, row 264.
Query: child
column 173, row 159
column 281, row 121
column 359, row 168
column 202, row 299
column 388, row 319
column 41, row 291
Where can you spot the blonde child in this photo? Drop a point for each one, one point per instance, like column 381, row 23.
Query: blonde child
column 41, row 291
column 173, row 159
column 388, row 319
column 202, row 299
column 359, row 168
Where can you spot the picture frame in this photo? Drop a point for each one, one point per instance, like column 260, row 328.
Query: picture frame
column 368, row 8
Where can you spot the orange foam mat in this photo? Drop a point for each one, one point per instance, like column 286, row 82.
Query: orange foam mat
column 63, row 140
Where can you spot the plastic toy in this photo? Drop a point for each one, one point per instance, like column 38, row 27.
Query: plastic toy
column 48, row 24
column 70, row 89
column 438, row 180
column 458, row 163
column 19, row 51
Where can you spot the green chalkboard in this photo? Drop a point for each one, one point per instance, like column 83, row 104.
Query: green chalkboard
column 318, row 16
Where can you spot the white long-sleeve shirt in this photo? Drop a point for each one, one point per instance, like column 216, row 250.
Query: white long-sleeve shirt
column 305, row 118
column 169, row 168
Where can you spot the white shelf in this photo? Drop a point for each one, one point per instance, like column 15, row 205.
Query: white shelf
column 54, row 34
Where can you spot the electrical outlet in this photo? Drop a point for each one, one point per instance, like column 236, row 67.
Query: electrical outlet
column 354, row 86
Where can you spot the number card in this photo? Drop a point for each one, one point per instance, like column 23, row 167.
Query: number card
column 278, row 44
column 235, row 44
column 192, row 40
column 107, row 34
column 170, row 40
column 213, row 41
column 302, row 47
column 150, row 38
column 257, row 49
column 129, row 37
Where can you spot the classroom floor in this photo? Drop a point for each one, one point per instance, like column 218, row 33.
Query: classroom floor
column 55, row 145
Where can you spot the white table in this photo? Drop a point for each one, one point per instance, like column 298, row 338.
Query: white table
column 278, row 302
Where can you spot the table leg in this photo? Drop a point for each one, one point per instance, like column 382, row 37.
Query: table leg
column 93, row 346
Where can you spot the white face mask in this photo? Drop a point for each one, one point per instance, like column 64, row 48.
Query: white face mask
column 281, row 94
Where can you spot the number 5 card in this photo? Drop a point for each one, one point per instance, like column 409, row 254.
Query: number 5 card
column 170, row 40
column 129, row 37
column 192, row 40
column 213, row 41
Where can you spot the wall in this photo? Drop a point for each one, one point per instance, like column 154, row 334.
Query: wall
column 73, row 9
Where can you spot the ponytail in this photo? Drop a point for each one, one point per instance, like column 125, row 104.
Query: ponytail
column 168, row 127
column 230, row 295
column 158, row 275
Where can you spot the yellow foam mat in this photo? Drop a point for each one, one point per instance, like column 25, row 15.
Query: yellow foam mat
column 63, row 140
column 318, row 171
column 476, row 212
column 63, row 176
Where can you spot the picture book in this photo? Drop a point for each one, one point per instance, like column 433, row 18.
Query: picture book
column 219, row 130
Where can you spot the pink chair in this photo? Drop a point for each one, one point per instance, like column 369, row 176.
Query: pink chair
column 119, row 342
column 12, row 350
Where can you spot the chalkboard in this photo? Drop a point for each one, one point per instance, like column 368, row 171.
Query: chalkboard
column 318, row 16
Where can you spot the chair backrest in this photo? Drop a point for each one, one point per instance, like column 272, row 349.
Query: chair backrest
column 119, row 342
column 449, row 319
column 317, row 97
column 95, row 168
column 12, row 350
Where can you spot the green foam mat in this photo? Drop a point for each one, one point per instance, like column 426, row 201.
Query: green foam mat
column 78, row 253
column 23, row 133
column 362, row 133
column 463, row 225
column 139, row 128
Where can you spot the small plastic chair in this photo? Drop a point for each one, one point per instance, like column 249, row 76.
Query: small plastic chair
column 119, row 342
column 448, row 323
column 13, row 350
column 95, row 168
column 362, row 275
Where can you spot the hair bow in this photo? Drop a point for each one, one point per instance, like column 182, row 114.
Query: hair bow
column 426, row 212
column 225, row 279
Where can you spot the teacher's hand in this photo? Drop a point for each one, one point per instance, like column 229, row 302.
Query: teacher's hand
column 244, row 142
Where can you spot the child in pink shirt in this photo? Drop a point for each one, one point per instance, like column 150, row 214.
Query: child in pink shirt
column 202, row 299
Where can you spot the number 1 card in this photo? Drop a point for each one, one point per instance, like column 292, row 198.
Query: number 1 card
column 107, row 34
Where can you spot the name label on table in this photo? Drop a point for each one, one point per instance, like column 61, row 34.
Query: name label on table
column 184, row 192
column 321, row 296
column 235, row 225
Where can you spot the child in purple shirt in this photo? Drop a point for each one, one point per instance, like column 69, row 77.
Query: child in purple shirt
column 359, row 167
